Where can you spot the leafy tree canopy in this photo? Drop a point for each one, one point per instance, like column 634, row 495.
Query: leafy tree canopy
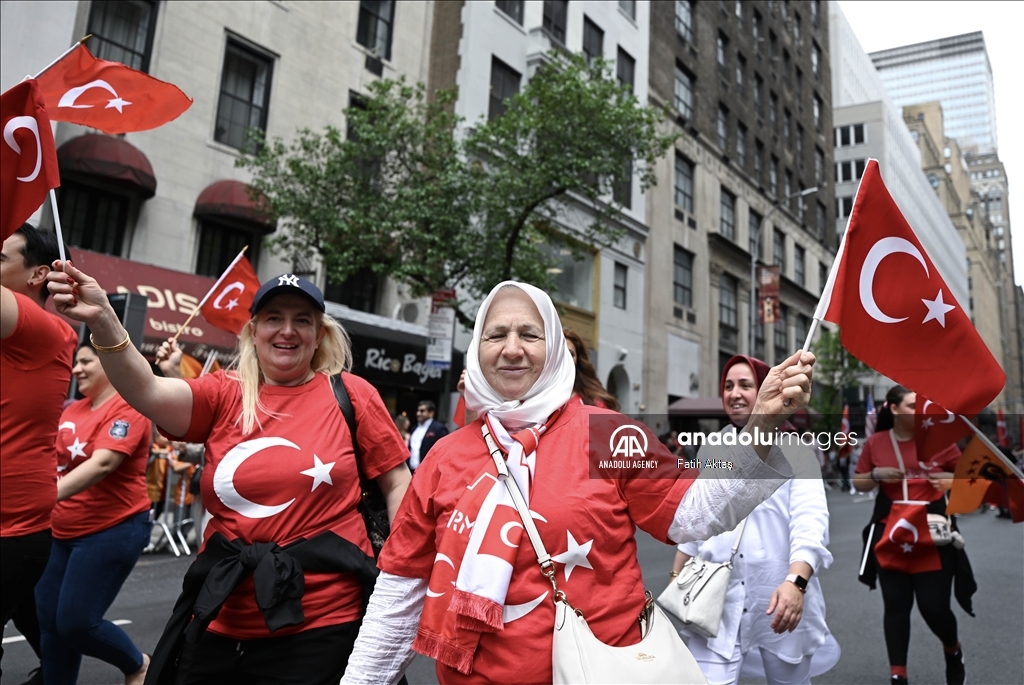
column 834, row 371
column 408, row 192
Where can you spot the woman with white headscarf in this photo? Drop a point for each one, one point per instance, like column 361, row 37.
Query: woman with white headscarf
column 457, row 585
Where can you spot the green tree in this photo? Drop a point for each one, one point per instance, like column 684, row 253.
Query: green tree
column 409, row 193
column 834, row 371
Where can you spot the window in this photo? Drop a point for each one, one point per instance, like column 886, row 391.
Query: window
column 244, row 96
column 684, row 19
column 788, row 187
column 816, row 61
column 796, row 29
column 846, row 136
column 504, row 84
column 593, row 40
column 759, row 161
column 723, row 129
column 753, row 226
column 728, row 219
column 622, row 191
column 759, row 339
column 787, row 66
column 513, row 8
column 722, row 46
column 93, row 219
column 220, row 243
column 374, row 32
column 800, row 265
column 779, row 249
column 555, row 12
column 819, row 107
column 625, row 68
column 123, row 31
column 629, row 7
column 684, row 184
column 800, row 328
column 739, row 13
column 773, row 176
column 741, row 67
column 773, row 45
column 819, row 166
column 727, row 302
column 822, row 276
column 684, row 93
column 787, row 126
column 619, row 289
column 682, row 277
column 756, row 29
column 850, row 170
column 844, row 205
column 800, row 204
column 814, row 12
column 821, row 221
column 758, row 87
column 360, row 291
column 781, row 335
column 800, row 144
column 799, row 88
column 741, row 145
column 573, row 278
column 773, row 111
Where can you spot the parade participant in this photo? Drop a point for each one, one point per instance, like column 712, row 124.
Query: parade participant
column 922, row 482
column 281, row 580
column 520, row 382
column 587, row 386
column 36, row 352
column 100, row 525
column 773, row 623
column 426, row 433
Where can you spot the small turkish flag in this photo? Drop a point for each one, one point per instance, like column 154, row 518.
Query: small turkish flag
column 108, row 96
column 28, row 161
column 846, row 449
column 935, row 429
column 898, row 316
column 1002, row 434
column 227, row 304
column 906, row 545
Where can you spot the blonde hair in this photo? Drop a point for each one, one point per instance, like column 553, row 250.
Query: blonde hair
column 332, row 356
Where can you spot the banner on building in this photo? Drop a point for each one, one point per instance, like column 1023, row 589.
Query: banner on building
column 441, row 326
column 768, row 293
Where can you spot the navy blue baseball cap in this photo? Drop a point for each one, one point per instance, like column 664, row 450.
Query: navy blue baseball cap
column 287, row 284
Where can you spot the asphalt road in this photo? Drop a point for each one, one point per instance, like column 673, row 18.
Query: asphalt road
column 993, row 642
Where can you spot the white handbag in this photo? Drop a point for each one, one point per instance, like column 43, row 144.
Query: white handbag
column 577, row 656
column 938, row 525
column 697, row 595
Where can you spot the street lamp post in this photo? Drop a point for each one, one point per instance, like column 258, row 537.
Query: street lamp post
column 755, row 250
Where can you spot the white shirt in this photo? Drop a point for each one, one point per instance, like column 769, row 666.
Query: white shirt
column 416, row 441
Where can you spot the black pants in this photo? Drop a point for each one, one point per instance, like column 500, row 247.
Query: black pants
column 932, row 590
column 22, row 560
column 312, row 657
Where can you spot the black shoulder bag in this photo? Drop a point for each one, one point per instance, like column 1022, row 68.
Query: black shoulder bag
column 372, row 504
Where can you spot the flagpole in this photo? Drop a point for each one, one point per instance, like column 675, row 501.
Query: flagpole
column 81, row 41
column 207, row 295
column 995, row 450
column 56, row 226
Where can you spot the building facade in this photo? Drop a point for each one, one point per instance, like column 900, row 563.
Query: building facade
column 749, row 88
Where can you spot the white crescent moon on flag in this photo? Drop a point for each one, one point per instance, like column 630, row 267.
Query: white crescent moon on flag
column 905, row 525
column 237, row 285
column 32, row 125
column 506, row 529
column 447, row 560
column 224, row 483
column 514, row 612
column 950, row 416
column 879, row 251
column 68, row 99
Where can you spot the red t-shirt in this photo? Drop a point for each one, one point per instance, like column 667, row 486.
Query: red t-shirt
column 878, row 452
column 295, row 477
column 588, row 527
column 122, row 493
column 35, row 368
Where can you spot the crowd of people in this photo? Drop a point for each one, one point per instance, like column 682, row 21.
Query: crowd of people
column 287, row 586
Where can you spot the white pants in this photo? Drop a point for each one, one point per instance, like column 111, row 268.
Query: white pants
column 721, row 671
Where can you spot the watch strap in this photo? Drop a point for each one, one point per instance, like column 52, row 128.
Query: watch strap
column 798, row 580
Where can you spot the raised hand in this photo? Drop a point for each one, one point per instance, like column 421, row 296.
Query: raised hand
column 787, row 387
column 77, row 295
column 168, row 358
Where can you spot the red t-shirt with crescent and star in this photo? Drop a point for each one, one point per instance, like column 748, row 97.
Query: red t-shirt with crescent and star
column 122, row 493
column 294, row 477
column 35, row 367
column 587, row 525
column 878, row 451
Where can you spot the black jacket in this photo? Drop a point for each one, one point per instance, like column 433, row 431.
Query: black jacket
column 435, row 431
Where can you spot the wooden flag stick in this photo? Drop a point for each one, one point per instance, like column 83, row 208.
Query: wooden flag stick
column 81, row 41
column 995, row 450
column 207, row 295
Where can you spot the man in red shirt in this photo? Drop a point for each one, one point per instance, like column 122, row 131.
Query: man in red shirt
column 36, row 349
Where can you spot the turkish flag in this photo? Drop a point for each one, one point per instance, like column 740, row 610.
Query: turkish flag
column 906, row 545
column 227, row 304
column 897, row 315
column 503, row 534
column 978, row 470
column 844, row 428
column 1002, row 434
column 935, row 429
column 28, row 161
column 108, row 96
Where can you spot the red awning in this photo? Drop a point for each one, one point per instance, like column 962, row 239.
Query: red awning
column 108, row 157
column 231, row 199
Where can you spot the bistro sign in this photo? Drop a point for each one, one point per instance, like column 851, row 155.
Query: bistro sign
column 406, row 364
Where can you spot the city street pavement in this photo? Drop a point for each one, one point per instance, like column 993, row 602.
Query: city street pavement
column 993, row 642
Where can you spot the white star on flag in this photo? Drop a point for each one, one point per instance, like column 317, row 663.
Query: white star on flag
column 118, row 104
column 907, row 547
column 320, row 473
column 575, row 556
column 937, row 309
column 288, row 279
column 231, row 304
column 927, row 423
column 76, row 448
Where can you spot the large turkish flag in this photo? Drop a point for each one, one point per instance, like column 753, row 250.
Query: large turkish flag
column 898, row 316
column 28, row 157
column 227, row 304
column 108, row 96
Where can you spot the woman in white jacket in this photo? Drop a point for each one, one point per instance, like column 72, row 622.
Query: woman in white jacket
column 773, row 622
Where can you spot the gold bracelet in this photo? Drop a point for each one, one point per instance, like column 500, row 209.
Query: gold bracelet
column 673, row 574
column 111, row 348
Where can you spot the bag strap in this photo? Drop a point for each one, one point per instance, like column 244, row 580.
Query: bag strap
column 349, row 412
column 899, row 460
column 736, row 542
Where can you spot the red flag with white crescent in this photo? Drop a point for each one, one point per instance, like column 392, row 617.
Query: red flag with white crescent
column 227, row 304
column 108, row 96
column 906, row 545
column 28, row 157
column 897, row 315
column 935, row 428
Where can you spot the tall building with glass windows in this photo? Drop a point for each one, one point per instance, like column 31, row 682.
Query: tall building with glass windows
column 956, row 72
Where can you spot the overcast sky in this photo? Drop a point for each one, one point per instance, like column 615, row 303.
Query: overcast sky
column 889, row 24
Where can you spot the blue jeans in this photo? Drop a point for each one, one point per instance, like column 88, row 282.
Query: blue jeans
column 81, row 581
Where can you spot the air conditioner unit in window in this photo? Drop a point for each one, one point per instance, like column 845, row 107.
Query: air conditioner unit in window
column 408, row 312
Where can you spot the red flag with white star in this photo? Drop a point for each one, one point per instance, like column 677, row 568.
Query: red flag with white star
column 227, row 304
column 108, row 96
column 935, row 429
column 906, row 545
column 897, row 315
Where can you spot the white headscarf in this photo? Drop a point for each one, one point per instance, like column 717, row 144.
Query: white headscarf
column 552, row 389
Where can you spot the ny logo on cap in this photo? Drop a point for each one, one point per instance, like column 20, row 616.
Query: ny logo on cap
column 288, row 279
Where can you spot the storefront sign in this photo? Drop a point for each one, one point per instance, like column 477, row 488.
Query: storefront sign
column 394, row 364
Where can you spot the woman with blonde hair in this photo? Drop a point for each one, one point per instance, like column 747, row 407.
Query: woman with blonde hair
column 278, row 591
